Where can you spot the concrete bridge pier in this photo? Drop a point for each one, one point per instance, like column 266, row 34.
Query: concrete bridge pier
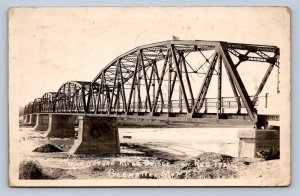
column 60, row 126
column 42, row 122
column 97, row 135
column 31, row 119
column 25, row 119
column 255, row 141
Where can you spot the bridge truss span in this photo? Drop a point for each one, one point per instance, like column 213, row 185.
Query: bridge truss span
column 72, row 97
column 174, row 77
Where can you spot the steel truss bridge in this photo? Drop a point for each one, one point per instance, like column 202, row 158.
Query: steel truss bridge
column 169, row 80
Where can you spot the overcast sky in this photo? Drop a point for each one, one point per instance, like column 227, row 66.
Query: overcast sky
column 49, row 46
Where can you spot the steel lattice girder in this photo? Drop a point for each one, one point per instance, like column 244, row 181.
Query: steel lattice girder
column 135, row 62
column 48, row 102
column 37, row 105
column 72, row 97
column 133, row 82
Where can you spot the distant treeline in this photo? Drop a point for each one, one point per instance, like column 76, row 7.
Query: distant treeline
column 21, row 110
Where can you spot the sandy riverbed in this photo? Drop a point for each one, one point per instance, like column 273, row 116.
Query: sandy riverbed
column 152, row 153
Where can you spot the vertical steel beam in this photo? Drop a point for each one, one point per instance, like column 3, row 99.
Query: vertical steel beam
column 169, row 85
column 205, row 105
column 220, row 85
column 102, row 91
column 65, row 98
column 107, row 97
column 139, row 82
column 153, row 86
column 180, row 89
column 278, row 81
column 83, row 99
column 99, row 101
column 134, row 96
column 89, row 97
column 266, row 100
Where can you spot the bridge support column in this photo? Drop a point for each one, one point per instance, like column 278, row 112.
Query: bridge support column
column 27, row 118
column 42, row 122
column 61, row 126
column 258, row 141
column 32, row 119
column 24, row 119
column 97, row 135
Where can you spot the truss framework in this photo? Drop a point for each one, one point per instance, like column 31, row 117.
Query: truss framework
column 157, row 78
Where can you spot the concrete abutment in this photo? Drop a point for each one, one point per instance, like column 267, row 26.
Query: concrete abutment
column 254, row 141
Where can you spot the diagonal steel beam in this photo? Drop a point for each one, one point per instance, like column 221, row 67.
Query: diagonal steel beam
column 122, row 87
column 160, row 81
column 117, row 101
column 102, row 90
column 173, row 84
column 113, row 90
column 133, row 82
column 187, row 77
column 145, row 78
column 139, row 83
column 235, row 93
column 262, row 84
column 180, row 79
column 150, row 81
column 237, row 81
column 204, row 87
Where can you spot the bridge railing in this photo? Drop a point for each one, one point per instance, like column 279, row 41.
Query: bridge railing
column 175, row 105
column 226, row 102
column 65, row 106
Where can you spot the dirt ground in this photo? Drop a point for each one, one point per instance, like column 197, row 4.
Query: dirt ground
column 152, row 153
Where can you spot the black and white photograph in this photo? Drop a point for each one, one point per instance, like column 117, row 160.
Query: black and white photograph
column 149, row 96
